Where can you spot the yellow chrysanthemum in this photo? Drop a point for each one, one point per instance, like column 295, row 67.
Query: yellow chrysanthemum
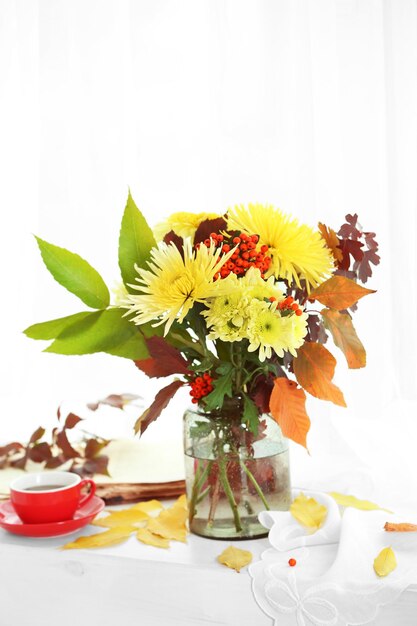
column 182, row 223
column 227, row 316
column 298, row 252
column 172, row 284
column 268, row 330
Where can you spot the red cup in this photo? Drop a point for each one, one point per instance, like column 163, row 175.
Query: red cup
column 49, row 496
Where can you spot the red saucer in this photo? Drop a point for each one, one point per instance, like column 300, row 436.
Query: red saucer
column 10, row 521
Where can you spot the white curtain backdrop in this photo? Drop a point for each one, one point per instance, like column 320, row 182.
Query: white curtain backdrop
column 196, row 105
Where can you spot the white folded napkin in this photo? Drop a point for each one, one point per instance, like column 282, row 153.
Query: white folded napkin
column 333, row 582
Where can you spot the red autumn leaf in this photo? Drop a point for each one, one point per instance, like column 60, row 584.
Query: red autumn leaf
column 209, row 226
column 67, row 449
column 118, row 401
column 99, row 465
column 350, row 248
column 344, row 336
column 72, row 420
column 363, row 267
column 94, row 447
column 38, row 434
column 351, row 229
column 178, row 241
column 261, row 393
column 339, row 292
column 40, row 452
column 288, row 410
column 164, row 359
column 55, row 461
column 314, row 369
column 10, row 448
column 161, row 401
column 20, row 463
column 315, row 329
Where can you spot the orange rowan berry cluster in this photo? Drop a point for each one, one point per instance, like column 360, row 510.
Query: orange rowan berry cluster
column 288, row 304
column 245, row 255
column 200, row 387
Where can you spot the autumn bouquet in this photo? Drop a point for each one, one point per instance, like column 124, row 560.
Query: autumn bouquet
column 237, row 307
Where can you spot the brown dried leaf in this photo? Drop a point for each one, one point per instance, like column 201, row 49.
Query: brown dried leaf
column 118, row 401
column 72, row 420
column 161, row 401
column 38, row 434
column 40, row 452
column 94, row 447
column 67, row 449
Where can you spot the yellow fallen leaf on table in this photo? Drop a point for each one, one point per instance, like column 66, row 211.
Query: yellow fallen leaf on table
column 153, row 530
column 170, row 523
column 235, row 558
column 385, row 562
column 148, row 507
column 182, row 502
column 126, row 517
column 145, row 536
column 111, row 537
column 362, row 505
column 308, row 512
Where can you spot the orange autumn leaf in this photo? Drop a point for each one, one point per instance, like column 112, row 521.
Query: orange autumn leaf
column 332, row 241
column 287, row 405
column 344, row 336
column 314, row 369
column 402, row 527
column 339, row 292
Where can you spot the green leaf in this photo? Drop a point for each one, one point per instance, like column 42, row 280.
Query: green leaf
column 135, row 243
column 75, row 274
column 51, row 329
column 250, row 414
column 201, row 429
column 222, row 387
column 102, row 331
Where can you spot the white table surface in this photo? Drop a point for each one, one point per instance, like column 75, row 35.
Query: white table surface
column 42, row 585
column 132, row 583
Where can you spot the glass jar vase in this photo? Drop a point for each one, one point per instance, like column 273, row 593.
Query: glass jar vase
column 232, row 474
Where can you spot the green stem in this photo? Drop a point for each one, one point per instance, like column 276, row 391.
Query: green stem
column 255, row 484
column 229, row 493
column 203, row 495
column 199, row 481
